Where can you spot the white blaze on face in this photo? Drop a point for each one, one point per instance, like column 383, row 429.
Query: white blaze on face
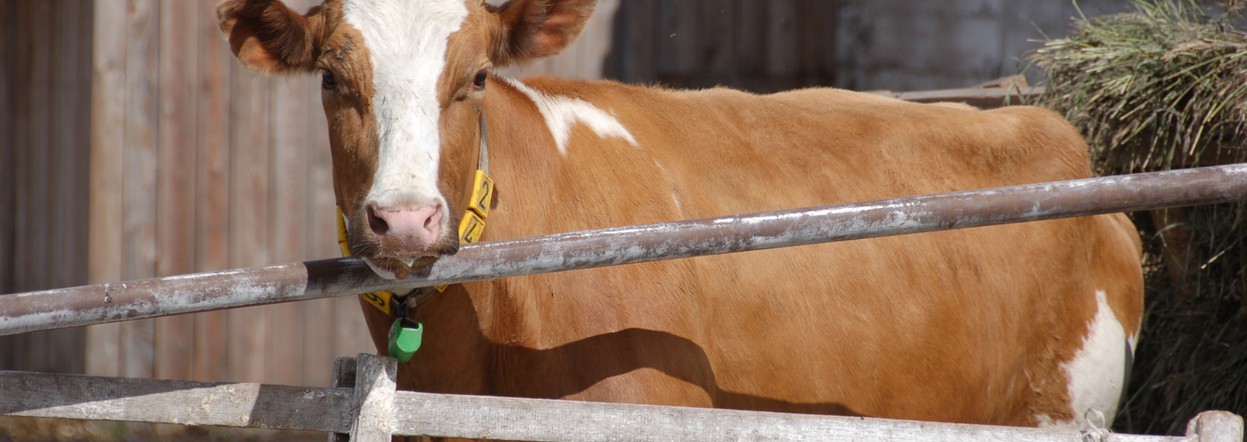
column 406, row 42
column 562, row 113
column 1097, row 373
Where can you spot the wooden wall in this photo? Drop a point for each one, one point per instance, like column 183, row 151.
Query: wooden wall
column 770, row 45
column 756, row 45
column 45, row 61
column 197, row 165
column 133, row 145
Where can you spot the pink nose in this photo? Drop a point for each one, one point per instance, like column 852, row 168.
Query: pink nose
column 407, row 229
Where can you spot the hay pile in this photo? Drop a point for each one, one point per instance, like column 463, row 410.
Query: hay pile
column 1159, row 88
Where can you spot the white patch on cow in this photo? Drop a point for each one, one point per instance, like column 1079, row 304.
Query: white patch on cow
column 1097, row 372
column 406, row 42
column 562, row 113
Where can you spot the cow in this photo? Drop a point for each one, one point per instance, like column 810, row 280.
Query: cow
column 1026, row 324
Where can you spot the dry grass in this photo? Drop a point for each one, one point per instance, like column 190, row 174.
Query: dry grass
column 1161, row 88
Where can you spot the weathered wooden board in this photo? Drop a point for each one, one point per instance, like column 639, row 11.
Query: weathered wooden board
column 108, row 98
column 364, row 402
column 477, row 417
column 175, row 188
column 176, row 402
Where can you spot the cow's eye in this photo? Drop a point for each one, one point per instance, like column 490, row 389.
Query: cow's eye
column 327, row 81
column 478, row 82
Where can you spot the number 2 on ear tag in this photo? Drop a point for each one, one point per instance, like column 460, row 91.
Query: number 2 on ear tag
column 405, row 340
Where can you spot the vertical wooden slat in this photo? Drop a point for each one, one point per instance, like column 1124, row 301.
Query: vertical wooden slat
column 175, row 189
column 18, row 136
column 66, row 233
column 249, row 166
column 8, row 30
column 677, row 54
column 751, row 46
column 319, row 242
column 212, row 188
column 288, row 200
column 718, row 42
column 140, row 159
column 34, row 176
column 633, row 50
column 816, row 22
column 782, row 39
column 107, row 175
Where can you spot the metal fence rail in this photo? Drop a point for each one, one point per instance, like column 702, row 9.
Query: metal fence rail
column 78, row 306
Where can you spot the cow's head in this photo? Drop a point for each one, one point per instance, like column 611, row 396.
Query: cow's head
column 403, row 82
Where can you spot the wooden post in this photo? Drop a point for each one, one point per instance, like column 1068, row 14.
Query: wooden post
column 343, row 377
column 374, row 392
column 1216, row 426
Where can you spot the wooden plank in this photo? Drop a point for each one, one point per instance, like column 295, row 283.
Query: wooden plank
column 817, row 26
column 175, row 189
column 375, row 384
column 212, row 185
column 105, row 232
column 8, row 149
column 66, row 209
column 142, row 110
column 33, row 210
column 1216, row 426
column 286, row 226
column 751, row 46
column 677, row 50
column 478, row 417
column 177, row 402
column 249, row 190
column 782, row 39
column 329, row 410
column 718, row 39
column 633, row 51
column 983, row 98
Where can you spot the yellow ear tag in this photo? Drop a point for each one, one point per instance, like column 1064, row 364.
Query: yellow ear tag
column 482, row 194
column 380, row 300
column 472, row 226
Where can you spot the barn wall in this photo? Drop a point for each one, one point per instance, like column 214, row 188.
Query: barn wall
column 749, row 44
column 132, row 145
column 200, row 165
column 771, row 45
column 45, row 56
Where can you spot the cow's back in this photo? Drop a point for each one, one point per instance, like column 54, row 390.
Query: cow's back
column 974, row 325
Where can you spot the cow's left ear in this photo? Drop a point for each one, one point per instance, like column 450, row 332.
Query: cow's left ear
column 532, row 29
column 268, row 36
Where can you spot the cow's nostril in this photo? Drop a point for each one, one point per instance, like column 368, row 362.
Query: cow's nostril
column 376, row 223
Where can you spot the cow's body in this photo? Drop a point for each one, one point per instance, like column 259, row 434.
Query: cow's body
column 1025, row 324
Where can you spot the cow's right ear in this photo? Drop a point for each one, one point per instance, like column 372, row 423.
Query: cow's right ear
column 269, row 37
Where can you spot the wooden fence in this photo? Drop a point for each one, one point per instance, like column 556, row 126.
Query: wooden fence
column 362, row 405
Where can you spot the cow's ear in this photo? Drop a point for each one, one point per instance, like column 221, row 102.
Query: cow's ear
column 532, row 29
column 269, row 37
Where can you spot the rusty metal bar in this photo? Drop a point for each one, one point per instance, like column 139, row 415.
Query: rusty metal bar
column 78, row 306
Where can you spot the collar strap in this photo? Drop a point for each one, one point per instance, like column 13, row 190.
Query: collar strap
column 471, row 227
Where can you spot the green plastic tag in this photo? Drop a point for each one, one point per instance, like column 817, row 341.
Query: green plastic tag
column 404, row 340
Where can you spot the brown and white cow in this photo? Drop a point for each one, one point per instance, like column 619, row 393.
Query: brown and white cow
column 1028, row 324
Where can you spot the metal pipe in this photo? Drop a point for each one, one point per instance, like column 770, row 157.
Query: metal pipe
column 78, row 306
